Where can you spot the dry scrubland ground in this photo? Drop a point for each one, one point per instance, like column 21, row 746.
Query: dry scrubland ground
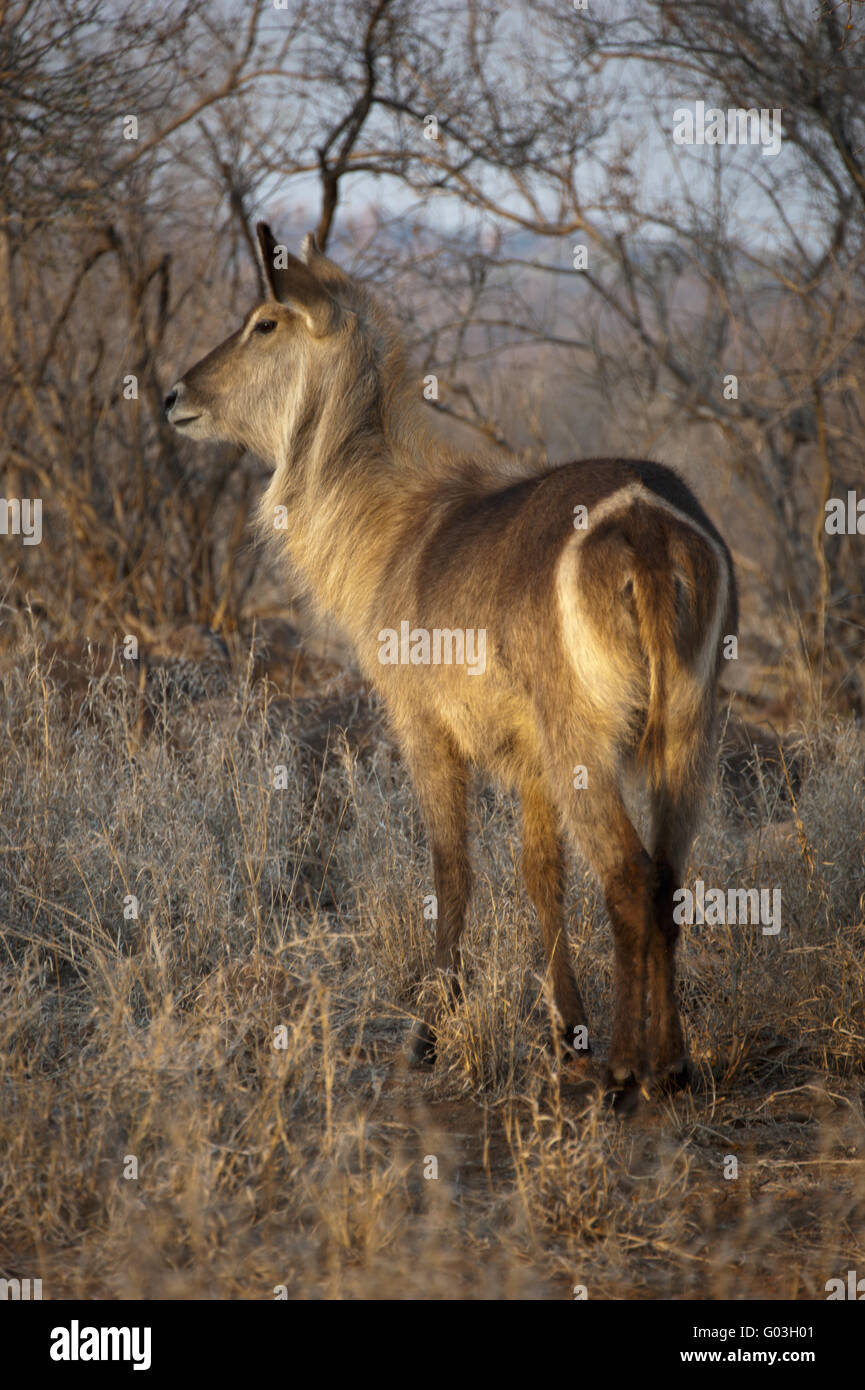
column 302, row 908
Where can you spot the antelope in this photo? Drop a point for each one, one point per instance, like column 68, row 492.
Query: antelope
column 604, row 593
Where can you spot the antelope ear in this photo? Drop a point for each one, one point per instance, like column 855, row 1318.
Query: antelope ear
column 293, row 283
column 326, row 272
column 265, row 246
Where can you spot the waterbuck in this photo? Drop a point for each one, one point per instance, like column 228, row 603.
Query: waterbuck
column 593, row 599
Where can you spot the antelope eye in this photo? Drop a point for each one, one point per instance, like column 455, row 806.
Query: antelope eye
column 265, row 325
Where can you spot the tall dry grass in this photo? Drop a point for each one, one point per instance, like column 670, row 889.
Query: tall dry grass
column 240, row 1037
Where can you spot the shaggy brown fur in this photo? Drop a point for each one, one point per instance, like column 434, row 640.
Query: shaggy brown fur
column 603, row 640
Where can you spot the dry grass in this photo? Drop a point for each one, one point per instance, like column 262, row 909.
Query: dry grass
column 241, row 1038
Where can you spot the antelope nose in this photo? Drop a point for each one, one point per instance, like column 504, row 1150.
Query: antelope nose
column 171, row 400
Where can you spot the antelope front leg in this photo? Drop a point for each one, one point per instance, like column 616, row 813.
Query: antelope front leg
column 441, row 781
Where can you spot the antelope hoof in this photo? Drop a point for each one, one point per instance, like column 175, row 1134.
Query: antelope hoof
column 622, row 1096
column 678, row 1076
column 422, row 1047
